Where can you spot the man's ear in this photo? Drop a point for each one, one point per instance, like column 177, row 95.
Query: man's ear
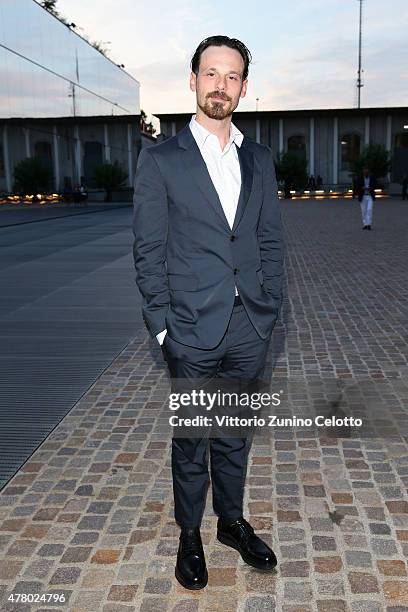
column 193, row 80
column 244, row 88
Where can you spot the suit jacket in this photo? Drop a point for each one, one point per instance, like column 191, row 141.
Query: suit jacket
column 359, row 186
column 187, row 258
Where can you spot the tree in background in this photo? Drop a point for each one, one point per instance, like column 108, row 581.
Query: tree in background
column 376, row 157
column 99, row 45
column 31, row 176
column 292, row 170
column 110, row 177
column 49, row 6
column 146, row 128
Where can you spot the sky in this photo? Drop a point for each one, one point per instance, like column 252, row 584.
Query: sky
column 305, row 52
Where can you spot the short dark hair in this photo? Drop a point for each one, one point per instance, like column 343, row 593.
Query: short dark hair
column 219, row 41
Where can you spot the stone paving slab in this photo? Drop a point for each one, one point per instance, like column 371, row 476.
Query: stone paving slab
column 90, row 516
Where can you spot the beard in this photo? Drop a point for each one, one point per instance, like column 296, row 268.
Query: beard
column 215, row 109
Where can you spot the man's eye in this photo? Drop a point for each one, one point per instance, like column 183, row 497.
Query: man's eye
column 210, row 74
column 234, row 78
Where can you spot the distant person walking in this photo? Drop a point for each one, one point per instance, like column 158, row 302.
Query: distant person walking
column 365, row 186
column 312, row 182
column 77, row 194
column 84, row 194
column 404, row 186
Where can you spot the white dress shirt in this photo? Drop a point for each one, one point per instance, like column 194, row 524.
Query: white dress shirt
column 222, row 164
column 224, row 169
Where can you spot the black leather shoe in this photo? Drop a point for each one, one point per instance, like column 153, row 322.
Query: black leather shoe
column 241, row 536
column 191, row 570
column 368, row 227
column 364, row 227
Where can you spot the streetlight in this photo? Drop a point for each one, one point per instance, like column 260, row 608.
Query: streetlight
column 359, row 71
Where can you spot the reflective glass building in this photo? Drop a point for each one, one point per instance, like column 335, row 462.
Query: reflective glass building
column 61, row 100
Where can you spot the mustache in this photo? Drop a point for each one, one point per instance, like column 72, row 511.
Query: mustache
column 216, row 94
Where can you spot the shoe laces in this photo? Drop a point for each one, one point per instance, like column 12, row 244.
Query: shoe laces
column 191, row 542
column 243, row 529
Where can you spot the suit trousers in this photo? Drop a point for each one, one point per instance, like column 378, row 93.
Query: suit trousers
column 241, row 354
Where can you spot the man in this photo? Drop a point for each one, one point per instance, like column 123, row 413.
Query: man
column 365, row 190
column 209, row 257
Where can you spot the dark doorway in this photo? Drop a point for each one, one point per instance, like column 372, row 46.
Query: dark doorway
column 400, row 157
column 350, row 145
column 92, row 158
column 297, row 145
column 43, row 152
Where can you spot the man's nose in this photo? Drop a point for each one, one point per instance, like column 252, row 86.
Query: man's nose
column 221, row 83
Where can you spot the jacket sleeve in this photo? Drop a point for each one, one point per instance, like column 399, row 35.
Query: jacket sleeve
column 150, row 219
column 269, row 231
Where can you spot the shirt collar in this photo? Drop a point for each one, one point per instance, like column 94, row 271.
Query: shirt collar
column 201, row 133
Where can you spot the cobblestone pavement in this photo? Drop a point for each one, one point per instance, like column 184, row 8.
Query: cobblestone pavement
column 90, row 515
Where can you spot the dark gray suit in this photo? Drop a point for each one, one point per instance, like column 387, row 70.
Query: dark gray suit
column 188, row 261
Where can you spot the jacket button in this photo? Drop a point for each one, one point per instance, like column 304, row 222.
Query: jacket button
column 236, row 270
column 232, row 238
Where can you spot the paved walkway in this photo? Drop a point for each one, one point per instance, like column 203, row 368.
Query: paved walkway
column 18, row 214
column 68, row 307
column 89, row 517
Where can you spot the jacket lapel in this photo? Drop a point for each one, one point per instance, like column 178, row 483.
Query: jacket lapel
column 196, row 167
column 246, row 160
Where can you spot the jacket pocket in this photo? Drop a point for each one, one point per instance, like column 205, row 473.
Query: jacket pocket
column 182, row 282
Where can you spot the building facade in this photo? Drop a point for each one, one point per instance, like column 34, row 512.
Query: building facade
column 61, row 100
column 328, row 138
